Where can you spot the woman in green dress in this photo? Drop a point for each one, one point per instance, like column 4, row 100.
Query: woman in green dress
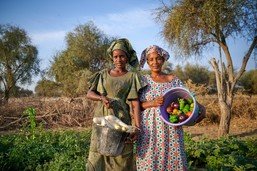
column 114, row 89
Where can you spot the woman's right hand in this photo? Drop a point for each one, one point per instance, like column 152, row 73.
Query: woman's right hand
column 158, row 101
column 105, row 101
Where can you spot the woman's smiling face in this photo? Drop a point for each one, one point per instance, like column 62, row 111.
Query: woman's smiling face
column 120, row 58
column 155, row 61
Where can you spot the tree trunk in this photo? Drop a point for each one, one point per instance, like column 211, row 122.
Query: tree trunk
column 6, row 96
column 224, row 125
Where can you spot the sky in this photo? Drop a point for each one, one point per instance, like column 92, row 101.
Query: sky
column 48, row 21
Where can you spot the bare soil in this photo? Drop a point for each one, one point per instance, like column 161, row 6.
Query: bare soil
column 239, row 127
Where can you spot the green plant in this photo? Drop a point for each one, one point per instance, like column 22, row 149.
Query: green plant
column 31, row 113
column 49, row 150
column 227, row 153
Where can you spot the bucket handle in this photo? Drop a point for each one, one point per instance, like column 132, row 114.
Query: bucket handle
column 193, row 94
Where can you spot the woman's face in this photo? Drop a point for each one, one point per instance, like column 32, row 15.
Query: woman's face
column 155, row 61
column 119, row 58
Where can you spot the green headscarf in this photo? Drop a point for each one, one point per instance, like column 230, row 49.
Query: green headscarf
column 124, row 45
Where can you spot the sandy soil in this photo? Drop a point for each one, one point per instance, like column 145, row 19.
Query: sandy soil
column 239, row 127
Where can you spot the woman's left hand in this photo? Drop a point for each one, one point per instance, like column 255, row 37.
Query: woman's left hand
column 158, row 101
column 202, row 113
column 106, row 101
column 133, row 136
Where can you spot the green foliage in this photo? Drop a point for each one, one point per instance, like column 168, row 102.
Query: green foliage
column 85, row 53
column 48, row 88
column 47, row 151
column 191, row 25
column 68, row 150
column 31, row 113
column 222, row 154
column 249, row 81
column 198, row 74
column 18, row 58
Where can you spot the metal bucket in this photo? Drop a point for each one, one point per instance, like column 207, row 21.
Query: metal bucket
column 110, row 141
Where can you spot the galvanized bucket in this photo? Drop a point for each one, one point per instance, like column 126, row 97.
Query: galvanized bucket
column 110, row 141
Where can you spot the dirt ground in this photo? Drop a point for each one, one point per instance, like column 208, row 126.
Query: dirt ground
column 239, row 127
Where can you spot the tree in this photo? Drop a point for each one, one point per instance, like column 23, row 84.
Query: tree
column 191, row 26
column 249, row 81
column 84, row 55
column 178, row 71
column 47, row 88
column 18, row 59
column 198, row 74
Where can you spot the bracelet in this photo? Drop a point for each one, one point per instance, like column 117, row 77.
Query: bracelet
column 152, row 102
column 100, row 98
column 137, row 128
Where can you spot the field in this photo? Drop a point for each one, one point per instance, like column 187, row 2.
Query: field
column 54, row 134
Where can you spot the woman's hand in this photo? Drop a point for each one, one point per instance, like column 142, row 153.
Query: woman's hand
column 158, row 101
column 202, row 113
column 106, row 101
column 133, row 136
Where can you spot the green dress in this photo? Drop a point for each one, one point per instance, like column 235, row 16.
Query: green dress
column 120, row 90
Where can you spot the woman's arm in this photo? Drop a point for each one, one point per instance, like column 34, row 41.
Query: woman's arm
column 158, row 101
column 92, row 95
column 202, row 113
column 136, row 112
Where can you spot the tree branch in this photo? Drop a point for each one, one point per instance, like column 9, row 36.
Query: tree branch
column 218, row 75
column 246, row 58
column 230, row 67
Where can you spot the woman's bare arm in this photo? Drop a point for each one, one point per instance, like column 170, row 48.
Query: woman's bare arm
column 92, row 95
column 136, row 112
column 158, row 101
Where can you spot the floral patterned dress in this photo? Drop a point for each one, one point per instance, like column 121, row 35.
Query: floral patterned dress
column 160, row 146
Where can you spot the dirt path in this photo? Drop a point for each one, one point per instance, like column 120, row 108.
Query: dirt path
column 239, row 127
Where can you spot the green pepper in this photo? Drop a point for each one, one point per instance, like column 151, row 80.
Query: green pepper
column 173, row 118
column 191, row 106
column 189, row 101
column 181, row 103
column 186, row 108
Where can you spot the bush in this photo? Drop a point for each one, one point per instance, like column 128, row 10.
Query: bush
column 45, row 151
column 228, row 153
column 67, row 150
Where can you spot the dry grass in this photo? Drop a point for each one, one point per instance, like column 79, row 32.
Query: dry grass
column 50, row 112
column 77, row 113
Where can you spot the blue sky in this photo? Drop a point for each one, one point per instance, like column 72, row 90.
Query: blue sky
column 48, row 21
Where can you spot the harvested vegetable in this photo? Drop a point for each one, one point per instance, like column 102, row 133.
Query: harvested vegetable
column 173, row 118
column 180, row 110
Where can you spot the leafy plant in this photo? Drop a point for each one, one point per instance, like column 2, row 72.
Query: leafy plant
column 31, row 113
column 228, row 153
column 65, row 150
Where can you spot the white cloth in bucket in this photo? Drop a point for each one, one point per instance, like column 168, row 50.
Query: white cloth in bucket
column 113, row 122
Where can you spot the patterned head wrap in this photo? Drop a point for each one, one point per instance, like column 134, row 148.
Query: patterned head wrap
column 124, row 45
column 153, row 48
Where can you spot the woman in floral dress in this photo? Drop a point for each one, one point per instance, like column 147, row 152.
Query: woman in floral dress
column 160, row 146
